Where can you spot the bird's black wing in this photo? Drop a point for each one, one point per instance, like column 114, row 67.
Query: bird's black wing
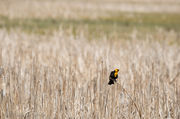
column 111, row 78
column 112, row 74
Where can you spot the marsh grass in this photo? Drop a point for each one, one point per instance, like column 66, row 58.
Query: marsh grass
column 61, row 76
column 56, row 64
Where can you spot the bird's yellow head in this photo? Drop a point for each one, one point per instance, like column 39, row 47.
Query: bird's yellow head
column 116, row 72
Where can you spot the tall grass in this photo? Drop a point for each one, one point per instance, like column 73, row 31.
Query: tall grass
column 56, row 56
column 62, row 76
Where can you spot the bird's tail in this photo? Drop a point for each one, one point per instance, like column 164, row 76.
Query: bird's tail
column 111, row 82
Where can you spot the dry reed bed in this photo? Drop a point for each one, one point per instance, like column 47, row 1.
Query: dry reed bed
column 82, row 9
column 62, row 76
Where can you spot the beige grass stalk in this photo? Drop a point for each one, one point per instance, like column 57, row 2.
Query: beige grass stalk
column 125, row 91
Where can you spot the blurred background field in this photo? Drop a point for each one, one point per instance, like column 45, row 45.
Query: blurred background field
column 56, row 56
column 113, row 19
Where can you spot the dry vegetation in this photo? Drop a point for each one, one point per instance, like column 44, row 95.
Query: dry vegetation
column 64, row 74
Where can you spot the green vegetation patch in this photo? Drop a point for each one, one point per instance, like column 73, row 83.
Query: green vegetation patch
column 115, row 23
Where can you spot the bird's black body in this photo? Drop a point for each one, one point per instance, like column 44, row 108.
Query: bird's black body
column 112, row 77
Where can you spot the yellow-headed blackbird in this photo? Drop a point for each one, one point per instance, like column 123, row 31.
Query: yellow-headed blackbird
column 113, row 76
